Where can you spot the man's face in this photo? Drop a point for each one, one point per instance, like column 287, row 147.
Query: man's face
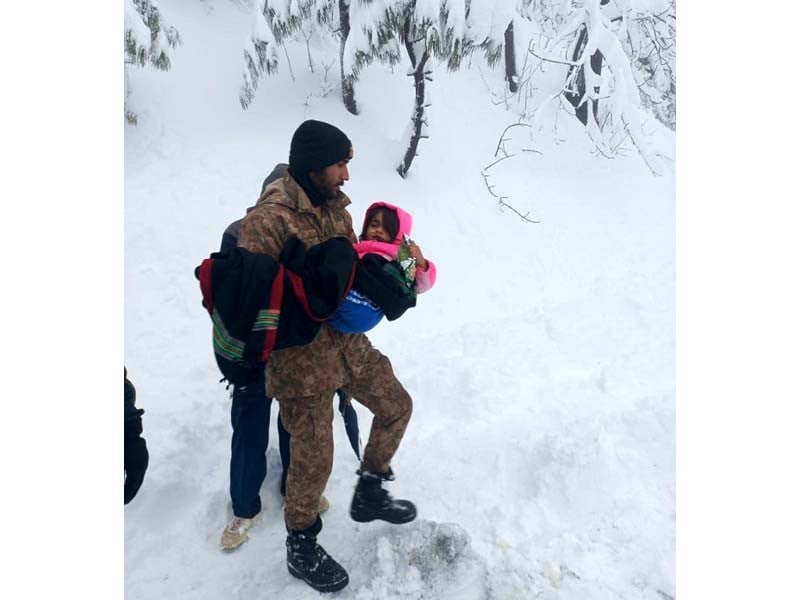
column 328, row 181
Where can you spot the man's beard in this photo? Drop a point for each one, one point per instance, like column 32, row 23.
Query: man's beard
column 323, row 189
column 333, row 190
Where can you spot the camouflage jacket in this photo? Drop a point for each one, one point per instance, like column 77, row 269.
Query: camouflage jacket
column 284, row 210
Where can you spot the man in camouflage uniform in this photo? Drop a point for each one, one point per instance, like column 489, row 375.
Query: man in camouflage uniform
column 308, row 202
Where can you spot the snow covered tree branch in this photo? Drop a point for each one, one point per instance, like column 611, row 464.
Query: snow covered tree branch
column 276, row 22
column 348, row 80
column 260, row 53
column 609, row 63
column 651, row 47
column 619, row 61
column 148, row 38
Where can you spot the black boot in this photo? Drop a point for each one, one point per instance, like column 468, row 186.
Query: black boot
column 307, row 560
column 371, row 502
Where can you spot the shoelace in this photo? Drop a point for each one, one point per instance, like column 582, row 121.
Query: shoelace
column 318, row 553
column 237, row 524
column 379, row 494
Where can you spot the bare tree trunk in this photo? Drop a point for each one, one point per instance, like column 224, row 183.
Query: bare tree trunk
column 348, row 81
column 418, row 53
column 596, row 63
column 511, row 59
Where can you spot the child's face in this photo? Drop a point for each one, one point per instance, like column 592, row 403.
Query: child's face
column 376, row 232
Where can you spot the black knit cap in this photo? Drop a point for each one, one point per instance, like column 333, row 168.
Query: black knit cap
column 316, row 145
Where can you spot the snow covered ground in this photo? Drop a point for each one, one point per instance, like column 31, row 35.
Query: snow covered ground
column 541, row 453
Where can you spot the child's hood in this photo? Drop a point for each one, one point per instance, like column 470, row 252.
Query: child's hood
column 402, row 216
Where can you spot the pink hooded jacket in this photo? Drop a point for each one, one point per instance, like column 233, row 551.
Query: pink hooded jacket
column 424, row 279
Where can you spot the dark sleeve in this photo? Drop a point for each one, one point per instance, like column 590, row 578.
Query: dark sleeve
column 228, row 242
column 383, row 282
column 133, row 415
column 136, row 455
column 230, row 238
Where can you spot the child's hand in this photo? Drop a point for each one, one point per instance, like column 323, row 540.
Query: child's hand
column 416, row 253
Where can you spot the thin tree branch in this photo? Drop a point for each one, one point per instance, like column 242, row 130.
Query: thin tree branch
column 503, row 139
column 501, row 200
column 552, row 60
column 291, row 71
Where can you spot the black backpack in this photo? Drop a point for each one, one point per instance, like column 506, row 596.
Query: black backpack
column 258, row 304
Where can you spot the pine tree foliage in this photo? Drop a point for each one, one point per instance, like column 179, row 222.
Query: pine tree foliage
column 487, row 22
column 451, row 29
column 286, row 17
column 260, row 53
column 374, row 27
column 147, row 36
column 273, row 23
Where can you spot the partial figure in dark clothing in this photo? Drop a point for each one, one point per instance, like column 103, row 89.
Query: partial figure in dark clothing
column 136, row 455
column 250, row 416
column 230, row 238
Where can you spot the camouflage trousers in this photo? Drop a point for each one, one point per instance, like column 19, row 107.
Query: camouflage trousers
column 369, row 378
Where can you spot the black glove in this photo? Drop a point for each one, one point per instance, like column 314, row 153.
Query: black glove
column 136, row 460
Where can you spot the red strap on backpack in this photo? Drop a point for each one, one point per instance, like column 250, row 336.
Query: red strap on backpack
column 204, row 276
column 300, row 292
column 275, row 298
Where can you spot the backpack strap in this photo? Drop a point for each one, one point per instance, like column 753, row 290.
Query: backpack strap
column 300, row 292
column 274, row 312
column 203, row 273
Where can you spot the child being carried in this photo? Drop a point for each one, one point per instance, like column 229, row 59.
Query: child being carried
column 391, row 271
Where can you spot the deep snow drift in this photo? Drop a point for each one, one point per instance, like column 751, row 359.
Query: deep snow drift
column 541, row 450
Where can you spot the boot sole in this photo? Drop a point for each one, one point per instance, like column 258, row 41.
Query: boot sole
column 331, row 587
column 359, row 519
column 230, row 549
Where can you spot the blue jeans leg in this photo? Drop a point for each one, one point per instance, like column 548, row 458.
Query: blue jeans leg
column 250, row 420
